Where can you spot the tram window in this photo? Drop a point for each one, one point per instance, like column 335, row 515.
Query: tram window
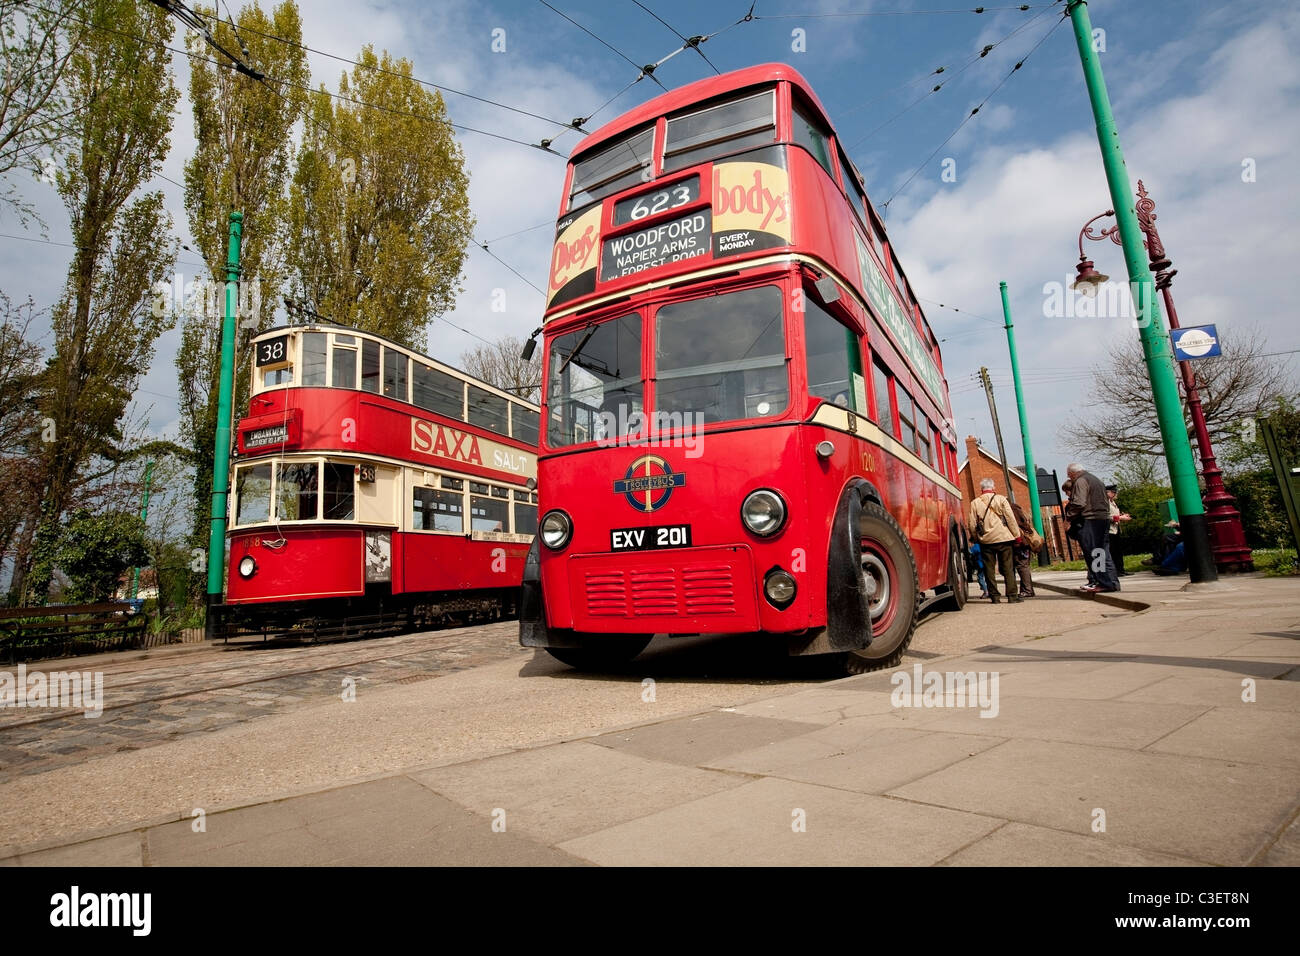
column 396, row 372
column 252, row 494
column 278, row 376
column 454, row 484
column 370, row 366
column 727, row 128
column 313, row 359
column 723, row 357
column 296, row 486
column 809, row 135
column 828, row 345
column 884, row 408
column 612, row 169
column 524, row 423
column 344, row 374
column 499, row 492
column 488, row 514
column 906, row 419
column 594, row 386
column 525, row 518
column 477, row 488
column 438, row 392
column 488, row 411
column 339, row 501
column 433, row 510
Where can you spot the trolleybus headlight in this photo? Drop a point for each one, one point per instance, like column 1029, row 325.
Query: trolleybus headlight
column 247, row 566
column 779, row 587
column 556, row 529
column 763, row 512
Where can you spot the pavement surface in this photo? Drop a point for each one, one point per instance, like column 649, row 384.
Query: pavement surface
column 1161, row 728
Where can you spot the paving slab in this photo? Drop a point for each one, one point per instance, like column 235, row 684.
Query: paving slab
column 1286, row 850
column 692, row 741
column 122, row 849
column 754, row 825
column 1242, row 733
column 1020, row 844
column 1224, row 690
column 849, row 698
column 1208, row 810
column 561, row 792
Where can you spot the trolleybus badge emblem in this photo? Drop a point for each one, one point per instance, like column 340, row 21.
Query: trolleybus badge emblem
column 649, row 483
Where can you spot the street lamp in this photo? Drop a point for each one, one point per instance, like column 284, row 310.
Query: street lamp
column 1227, row 537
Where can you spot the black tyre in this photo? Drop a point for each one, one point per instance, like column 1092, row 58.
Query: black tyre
column 957, row 582
column 889, row 577
column 600, row 651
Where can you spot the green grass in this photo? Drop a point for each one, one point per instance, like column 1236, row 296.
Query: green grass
column 1275, row 562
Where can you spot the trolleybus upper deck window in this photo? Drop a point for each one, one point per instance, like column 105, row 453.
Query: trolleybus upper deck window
column 594, row 384
column 726, row 128
column 722, row 357
column 612, row 169
column 809, row 135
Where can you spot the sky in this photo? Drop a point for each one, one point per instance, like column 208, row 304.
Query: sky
column 1204, row 92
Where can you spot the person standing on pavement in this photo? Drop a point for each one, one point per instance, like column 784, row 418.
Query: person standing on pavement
column 1023, row 553
column 1088, row 502
column 1117, row 518
column 992, row 523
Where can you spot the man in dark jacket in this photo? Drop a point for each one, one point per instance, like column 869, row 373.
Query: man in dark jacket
column 1088, row 501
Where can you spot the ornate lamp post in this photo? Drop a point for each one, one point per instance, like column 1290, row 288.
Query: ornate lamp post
column 1227, row 538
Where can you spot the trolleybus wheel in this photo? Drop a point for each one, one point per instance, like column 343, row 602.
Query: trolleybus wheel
column 601, row 650
column 956, row 574
column 889, row 579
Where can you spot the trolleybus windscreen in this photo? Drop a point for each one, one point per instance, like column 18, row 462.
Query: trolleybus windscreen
column 723, row 357
column 595, row 387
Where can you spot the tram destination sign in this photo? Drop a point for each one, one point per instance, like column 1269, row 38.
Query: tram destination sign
column 633, row 252
column 272, row 435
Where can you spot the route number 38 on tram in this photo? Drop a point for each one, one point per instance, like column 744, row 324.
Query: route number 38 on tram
column 742, row 400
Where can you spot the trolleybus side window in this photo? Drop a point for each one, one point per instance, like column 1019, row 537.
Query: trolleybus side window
column 314, row 346
column 884, row 407
column 612, row 169
column 524, row 423
column 809, row 135
column 486, row 514
column 438, row 392
column 396, row 372
column 595, row 385
column 906, row 418
column 525, row 514
column 727, row 128
column 339, row 502
column 434, row 510
column 253, row 494
column 722, row 357
column 830, row 347
column 923, row 438
column 296, row 486
column 488, row 410
column 370, row 366
column 344, row 372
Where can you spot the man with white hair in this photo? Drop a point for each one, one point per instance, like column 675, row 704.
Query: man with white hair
column 992, row 523
column 1090, row 504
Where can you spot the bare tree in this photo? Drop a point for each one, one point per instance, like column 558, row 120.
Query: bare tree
column 500, row 364
column 1121, row 421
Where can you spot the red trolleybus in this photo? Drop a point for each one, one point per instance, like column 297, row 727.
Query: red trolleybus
column 744, row 406
column 374, row 489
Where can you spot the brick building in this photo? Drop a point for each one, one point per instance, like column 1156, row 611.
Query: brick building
column 979, row 464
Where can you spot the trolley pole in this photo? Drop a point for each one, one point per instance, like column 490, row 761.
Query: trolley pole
column 1030, row 471
column 221, row 447
column 144, row 516
column 1156, row 346
column 997, row 432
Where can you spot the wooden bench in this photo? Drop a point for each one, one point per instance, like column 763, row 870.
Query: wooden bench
column 62, row 629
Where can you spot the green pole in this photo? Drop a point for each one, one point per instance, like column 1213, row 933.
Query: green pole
column 221, row 447
column 1156, row 346
column 1030, row 471
column 144, row 516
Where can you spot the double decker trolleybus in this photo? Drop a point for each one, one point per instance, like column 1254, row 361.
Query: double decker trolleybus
column 746, row 423
column 374, row 489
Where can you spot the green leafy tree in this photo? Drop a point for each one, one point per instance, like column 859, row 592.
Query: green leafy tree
column 1249, row 477
column 104, row 326
column 94, row 551
column 241, row 161
column 379, row 207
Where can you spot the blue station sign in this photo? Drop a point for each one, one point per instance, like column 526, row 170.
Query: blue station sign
column 1195, row 342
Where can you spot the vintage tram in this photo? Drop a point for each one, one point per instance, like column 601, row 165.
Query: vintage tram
column 374, row 489
column 747, row 426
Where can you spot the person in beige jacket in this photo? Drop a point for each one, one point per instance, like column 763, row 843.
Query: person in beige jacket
column 992, row 513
